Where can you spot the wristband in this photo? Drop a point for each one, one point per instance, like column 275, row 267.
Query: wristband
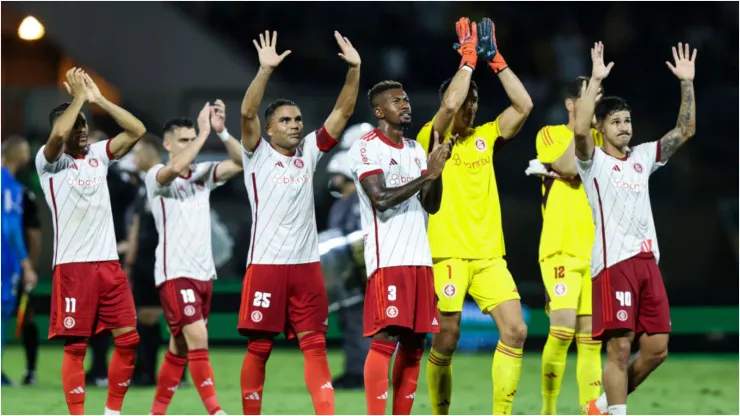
column 468, row 68
column 224, row 135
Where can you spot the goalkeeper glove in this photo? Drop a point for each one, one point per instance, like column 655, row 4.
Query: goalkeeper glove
column 487, row 48
column 468, row 37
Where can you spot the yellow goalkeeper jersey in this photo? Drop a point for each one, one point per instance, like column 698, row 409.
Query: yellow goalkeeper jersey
column 468, row 224
column 567, row 225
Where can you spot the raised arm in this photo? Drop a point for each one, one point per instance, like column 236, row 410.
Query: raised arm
column 345, row 104
column 133, row 128
column 513, row 117
column 459, row 87
column 64, row 125
column 685, row 129
column 269, row 60
column 233, row 165
column 179, row 163
column 584, row 142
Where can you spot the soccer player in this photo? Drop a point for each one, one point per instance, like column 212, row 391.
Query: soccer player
column 467, row 240
column 90, row 293
column 179, row 193
column 629, row 296
column 565, row 260
column 396, row 186
column 15, row 260
column 283, row 289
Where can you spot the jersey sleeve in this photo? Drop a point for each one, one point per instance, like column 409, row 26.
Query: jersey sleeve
column 153, row 187
column 550, row 146
column 256, row 153
column 102, row 151
column 42, row 166
column 211, row 180
column 364, row 159
column 316, row 143
column 425, row 136
column 491, row 133
column 30, row 210
column 649, row 154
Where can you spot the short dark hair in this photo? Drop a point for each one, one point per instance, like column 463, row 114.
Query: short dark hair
column 610, row 105
column 176, row 123
column 270, row 110
column 446, row 84
column 10, row 144
column 380, row 88
column 57, row 112
column 573, row 90
column 152, row 141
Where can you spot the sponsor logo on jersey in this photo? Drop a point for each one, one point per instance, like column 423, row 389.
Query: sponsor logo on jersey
column 287, row 180
column 85, row 183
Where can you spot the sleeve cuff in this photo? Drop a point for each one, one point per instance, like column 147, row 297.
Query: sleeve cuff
column 657, row 151
column 324, row 140
column 108, row 152
column 215, row 167
column 370, row 173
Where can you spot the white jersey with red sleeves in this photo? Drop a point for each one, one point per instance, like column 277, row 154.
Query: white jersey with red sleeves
column 619, row 196
column 398, row 236
column 77, row 193
column 280, row 190
column 182, row 214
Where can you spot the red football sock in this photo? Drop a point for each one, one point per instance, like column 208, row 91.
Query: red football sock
column 405, row 379
column 170, row 374
column 73, row 376
column 121, row 368
column 253, row 375
column 316, row 373
column 376, row 375
column 202, row 373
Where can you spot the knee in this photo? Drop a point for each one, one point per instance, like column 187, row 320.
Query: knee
column 515, row 334
column 619, row 350
column 446, row 341
column 657, row 356
column 129, row 340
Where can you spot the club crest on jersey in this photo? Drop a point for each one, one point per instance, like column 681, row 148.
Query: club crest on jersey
column 297, row 162
column 93, row 162
column 69, row 322
column 189, row 310
column 256, row 316
column 480, row 144
column 560, row 289
column 449, row 290
column 391, row 311
column 622, row 315
column 638, row 167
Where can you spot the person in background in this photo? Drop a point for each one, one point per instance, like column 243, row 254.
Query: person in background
column 345, row 216
column 15, row 262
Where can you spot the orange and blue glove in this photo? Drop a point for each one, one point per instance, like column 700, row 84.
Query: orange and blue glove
column 487, row 48
column 468, row 38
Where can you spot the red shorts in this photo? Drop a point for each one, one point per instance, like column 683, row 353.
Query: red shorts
column 185, row 301
column 401, row 296
column 631, row 295
column 288, row 298
column 87, row 298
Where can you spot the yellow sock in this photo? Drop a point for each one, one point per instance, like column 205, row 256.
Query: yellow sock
column 588, row 368
column 507, row 369
column 439, row 382
column 553, row 366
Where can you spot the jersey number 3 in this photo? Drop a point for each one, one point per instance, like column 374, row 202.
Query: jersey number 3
column 262, row 299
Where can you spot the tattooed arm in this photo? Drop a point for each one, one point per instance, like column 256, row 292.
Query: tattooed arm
column 685, row 126
column 684, row 70
column 384, row 198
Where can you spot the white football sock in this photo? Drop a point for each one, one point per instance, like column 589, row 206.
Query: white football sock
column 618, row 409
column 111, row 412
column 601, row 403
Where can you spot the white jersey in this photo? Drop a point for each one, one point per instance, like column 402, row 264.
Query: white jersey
column 77, row 193
column 619, row 196
column 182, row 214
column 280, row 190
column 398, row 236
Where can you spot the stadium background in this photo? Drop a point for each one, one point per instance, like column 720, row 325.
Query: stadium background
column 160, row 60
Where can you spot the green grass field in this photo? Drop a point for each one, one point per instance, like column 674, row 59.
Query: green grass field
column 685, row 384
